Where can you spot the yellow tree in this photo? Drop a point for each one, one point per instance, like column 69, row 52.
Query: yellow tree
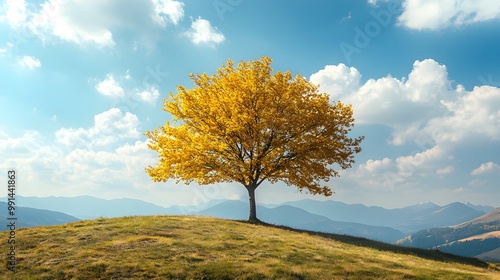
column 246, row 124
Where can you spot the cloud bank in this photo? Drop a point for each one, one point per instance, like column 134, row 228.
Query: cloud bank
column 108, row 156
column 425, row 111
column 93, row 21
column 424, row 108
column 429, row 14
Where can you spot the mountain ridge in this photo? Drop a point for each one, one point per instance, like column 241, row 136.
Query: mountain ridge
column 31, row 217
column 408, row 219
column 479, row 237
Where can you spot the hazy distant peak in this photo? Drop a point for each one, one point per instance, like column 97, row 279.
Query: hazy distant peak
column 422, row 206
column 426, row 203
column 482, row 208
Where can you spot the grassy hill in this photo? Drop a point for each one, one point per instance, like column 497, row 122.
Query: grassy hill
column 492, row 217
column 188, row 247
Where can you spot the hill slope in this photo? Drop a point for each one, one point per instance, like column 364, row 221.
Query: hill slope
column 474, row 238
column 180, row 247
column 493, row 255
column 492, row 217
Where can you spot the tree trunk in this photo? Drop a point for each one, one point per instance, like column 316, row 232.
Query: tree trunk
column 253, row 209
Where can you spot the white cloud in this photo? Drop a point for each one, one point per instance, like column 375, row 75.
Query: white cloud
column 149, row 95
column 95, row 21
column 459, row 190
column 424, row 109
column 422, row 163
column 114, row 122
column 485, row 168
column 376, row 174
column 22, row 145
column 425, row 112
column 29, row 62
column 445, row 170
column 388, row 100
column 202, row 32
column 431, row 14
column 372, row 166
column 428, row 82
column 122, row 87
column 110, row 87
column 74, row 21
column 47, row 168
column 403, row 172
column 476, row 183
column 168, row 10
column 15, row 13
column 471, row 117
column 74, row 137
column 338, row 80
column 109, row 127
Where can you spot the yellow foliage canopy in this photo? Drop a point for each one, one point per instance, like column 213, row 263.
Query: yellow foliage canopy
column 246, row 124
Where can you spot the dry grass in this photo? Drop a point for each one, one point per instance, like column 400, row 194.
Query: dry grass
column 491, row 234
column 187, row 247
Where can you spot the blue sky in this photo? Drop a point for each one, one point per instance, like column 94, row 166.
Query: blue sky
column 81, row 81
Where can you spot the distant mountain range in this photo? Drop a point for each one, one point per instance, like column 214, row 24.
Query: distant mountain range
column 388, row 225
column 89, row 207
column 30, row 217
column 408, row 219
column 479, row 237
